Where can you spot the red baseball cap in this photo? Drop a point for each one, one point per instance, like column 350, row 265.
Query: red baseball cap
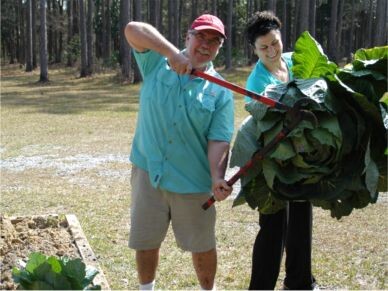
column 208, row 21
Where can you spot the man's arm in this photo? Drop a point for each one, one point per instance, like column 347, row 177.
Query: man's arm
column 143, row 36
column 218, row 159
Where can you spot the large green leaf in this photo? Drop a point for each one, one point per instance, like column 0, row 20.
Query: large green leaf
column 309, row 59
column 284, row 151
column 371, row 171
column 372, row 53
column 55, row 264
column 21, row 276
column 245, row 143
column 314, row 88
column 367, row 85
column 373, row 58
column 34, row 261
column 258, row 196
column 75, row 271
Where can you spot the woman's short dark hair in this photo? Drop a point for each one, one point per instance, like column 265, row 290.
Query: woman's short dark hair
column 260, row 24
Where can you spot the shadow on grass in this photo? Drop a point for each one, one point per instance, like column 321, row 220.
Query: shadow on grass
column 61, row 103
column 67, row 94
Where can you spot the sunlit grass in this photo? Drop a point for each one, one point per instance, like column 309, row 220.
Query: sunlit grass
column 73, row 117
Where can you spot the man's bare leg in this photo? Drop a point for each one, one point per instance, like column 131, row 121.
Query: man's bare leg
column 147, row 262
column 205, row 265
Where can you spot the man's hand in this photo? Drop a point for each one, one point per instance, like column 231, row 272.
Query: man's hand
column 221, row 190
column 180, row 63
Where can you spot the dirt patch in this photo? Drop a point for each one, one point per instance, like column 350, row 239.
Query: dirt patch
column 22, row 235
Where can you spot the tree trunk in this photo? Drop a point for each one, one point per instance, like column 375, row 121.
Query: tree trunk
column 160, row 26
column 228, row 57
column 283, row 19
column 312, row 16
column 271, row 5
column 34, row 50
column 332, row 33
column 14, row 42
column 247, row 46
column 50, row 35
column 170, row 9
column 380, row 33
column 43, row 43
column 154, row 15
column 194, row 11
column 340, row 52
column 125, row 54
column 294, row 28
column 60, row 35
column 108, row 30
column 303, row 19
column 20, row 35
column 363, row 40
column 69, row 32
column 287, row 29
column 351, row 34
column 103, row 29
column 75, row 17
column 137, row 16
column 172, row 21
column 214, row 7
column 53, row 24
column 29, row 36
column 178, row 30
column 369, row 25
column 89, row 38
column 82, row 29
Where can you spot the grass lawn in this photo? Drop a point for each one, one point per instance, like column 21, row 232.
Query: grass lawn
column 64, row 149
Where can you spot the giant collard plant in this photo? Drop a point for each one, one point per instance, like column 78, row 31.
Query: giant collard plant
column 341, row 163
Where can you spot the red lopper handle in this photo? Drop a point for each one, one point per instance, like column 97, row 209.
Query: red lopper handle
column 263, row 99
column 256, row 157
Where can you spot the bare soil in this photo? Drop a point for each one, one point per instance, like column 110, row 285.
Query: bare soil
column 21, row 236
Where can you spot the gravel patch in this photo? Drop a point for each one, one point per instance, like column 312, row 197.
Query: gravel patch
column 63, row 165
column 70, row 165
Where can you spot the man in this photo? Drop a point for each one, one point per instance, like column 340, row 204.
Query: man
column 180, row 149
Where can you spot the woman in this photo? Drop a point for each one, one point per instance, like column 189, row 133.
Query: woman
column 291, row 227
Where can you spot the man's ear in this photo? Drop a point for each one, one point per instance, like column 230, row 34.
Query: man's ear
column 187, row 36
column 187, row 39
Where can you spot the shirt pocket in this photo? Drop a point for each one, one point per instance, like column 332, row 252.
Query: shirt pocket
column 201, row 110
column 158, row 87
column 166, row 84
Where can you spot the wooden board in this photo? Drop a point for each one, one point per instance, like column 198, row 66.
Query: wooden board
column 85, row 250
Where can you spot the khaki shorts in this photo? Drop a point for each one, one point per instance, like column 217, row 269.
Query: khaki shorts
column 153, row 209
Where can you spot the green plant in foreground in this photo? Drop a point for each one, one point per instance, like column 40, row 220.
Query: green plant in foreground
column 50, row 273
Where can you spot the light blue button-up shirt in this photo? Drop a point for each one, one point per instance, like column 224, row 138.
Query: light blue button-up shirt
column 177, row 118
column 260, row 77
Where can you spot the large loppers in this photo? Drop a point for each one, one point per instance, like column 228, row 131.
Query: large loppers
column 294, row 115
